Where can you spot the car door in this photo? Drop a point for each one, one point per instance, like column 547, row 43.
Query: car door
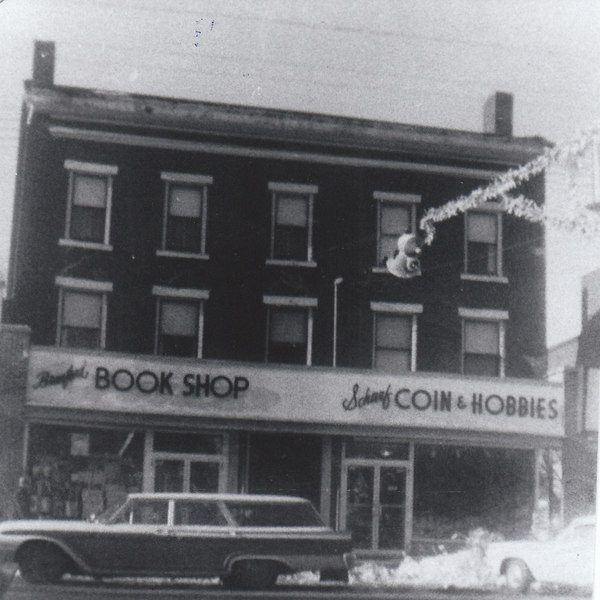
column 138, row 543
column 201, row 536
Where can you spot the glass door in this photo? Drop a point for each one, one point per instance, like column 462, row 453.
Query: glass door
column 374, row 504
column 186, row 475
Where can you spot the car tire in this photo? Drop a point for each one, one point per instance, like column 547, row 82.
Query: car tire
column 42, row 563
column 251, row 575
column 518, row 577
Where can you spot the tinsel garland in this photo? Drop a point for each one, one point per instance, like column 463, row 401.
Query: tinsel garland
column 498, row 190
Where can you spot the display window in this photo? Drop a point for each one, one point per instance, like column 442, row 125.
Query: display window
column 76, row 472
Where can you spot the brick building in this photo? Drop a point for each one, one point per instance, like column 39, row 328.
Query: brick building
column 185, row 269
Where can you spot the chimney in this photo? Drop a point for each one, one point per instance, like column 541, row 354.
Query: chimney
column 43, row 64
column 498, row 114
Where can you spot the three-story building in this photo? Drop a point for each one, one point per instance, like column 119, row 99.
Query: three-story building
column 210, row 310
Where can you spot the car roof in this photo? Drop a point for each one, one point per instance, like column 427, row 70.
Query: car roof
column 214, row 497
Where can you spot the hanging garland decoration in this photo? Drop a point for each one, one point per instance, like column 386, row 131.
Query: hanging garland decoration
column 579, row 218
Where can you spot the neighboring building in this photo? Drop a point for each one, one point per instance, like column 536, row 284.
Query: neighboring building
column 176, row 261
column 581, row 369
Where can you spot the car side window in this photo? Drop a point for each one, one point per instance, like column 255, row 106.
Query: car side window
column 150, row 512
column 198, row 513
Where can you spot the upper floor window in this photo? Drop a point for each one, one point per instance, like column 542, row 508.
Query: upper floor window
column 185, row 214
column 89, row 204
column 483, row 242
column 292, row 207
column 395, row 336
column 289, row 329
column 483, row 341
column 179, row 321
column 396, row 214
column 82, row 312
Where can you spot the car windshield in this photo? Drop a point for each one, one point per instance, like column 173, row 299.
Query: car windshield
column 271, row 514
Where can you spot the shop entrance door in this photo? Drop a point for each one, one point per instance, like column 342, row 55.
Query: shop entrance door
column 184, row 474
column 374, row 499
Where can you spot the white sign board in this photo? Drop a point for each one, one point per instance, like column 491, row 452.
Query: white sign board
column 159, row 385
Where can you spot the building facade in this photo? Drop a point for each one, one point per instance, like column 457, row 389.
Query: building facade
column 209, row 310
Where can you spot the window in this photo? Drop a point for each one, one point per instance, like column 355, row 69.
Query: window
column 395, row 336
column 483, row 243
column 291, row 222
column 289, row 329
column 82, row 312
column 192, row 512
column 185, row 214
column 483, row 341
column 180, row 321
column 396, row 214
column 89, row 204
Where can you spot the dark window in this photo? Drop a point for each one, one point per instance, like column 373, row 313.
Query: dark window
column 81, row 319
column 393, row 342
column 290, row 229
column 150, row 512
column 482, row 244
column 184, row 219
column 89, row 196
column 178, row 328
column 269, row 514
column 394, row 220
column 482, row 348
column 288, row 333
column 191, row 512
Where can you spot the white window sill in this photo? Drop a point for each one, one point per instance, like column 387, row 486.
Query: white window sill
column 68, row 243
column 484, row 278
column 179, row 254
column 290, row 263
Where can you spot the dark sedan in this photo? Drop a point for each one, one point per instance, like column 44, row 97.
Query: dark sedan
column 246, row 540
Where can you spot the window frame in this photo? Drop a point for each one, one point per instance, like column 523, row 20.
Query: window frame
column 408, row 200
column 500, row 317
column 181, row 294
column 74, row 168
column 399, row 309
column 72, row 284
column 308, row 303
column 498, row 277
column 299, row 189
column 191, row 180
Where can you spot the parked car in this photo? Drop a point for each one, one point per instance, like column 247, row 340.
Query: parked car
column 566, row 559
column 246, row 540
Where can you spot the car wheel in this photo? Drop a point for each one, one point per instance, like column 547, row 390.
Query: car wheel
column 251, row 575
column 42, row 563
column 518, row 577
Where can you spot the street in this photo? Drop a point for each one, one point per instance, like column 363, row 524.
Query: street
column 91, row 590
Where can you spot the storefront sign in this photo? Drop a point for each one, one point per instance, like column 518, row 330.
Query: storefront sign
column 298, row 394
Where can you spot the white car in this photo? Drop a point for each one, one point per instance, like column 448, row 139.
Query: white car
column 567, row 559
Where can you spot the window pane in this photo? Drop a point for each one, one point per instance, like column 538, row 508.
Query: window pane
column 185, row 201
column 395, row 219
column 89, row 190
column 150, row 512
column 482, row 337
column 482, row 228
column 81, row 309
column 263, row 514
column 481, row 364
column 292, row 210
column 80, row 337
column 184, row 234
column 388, row 244
column 187, row 443
column 179, row 318
column 288, row 325
column 198, row 513
column 482, row 258
column 87, row 224
column 392, row 361
column 291, row 243
column 393, row 331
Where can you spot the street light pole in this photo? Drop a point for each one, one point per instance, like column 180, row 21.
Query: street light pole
column 336, row 283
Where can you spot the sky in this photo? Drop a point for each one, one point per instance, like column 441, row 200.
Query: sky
column 432, row 62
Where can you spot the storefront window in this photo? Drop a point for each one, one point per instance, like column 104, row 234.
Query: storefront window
column 458, row 489
column 76, row 472
column 371, row 448
column 187, row 443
